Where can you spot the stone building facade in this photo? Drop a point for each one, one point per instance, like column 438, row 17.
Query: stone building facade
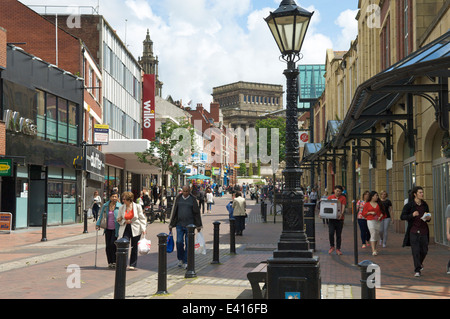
column 406, row 134
column 243, row 103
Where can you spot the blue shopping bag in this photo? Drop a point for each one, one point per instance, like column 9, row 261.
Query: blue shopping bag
column 170, row 243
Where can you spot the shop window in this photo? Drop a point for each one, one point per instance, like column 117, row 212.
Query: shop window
column 54, row 203
column 69, row 202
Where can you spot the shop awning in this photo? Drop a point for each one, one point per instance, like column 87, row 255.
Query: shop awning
column 126, row 149
column 374, row 98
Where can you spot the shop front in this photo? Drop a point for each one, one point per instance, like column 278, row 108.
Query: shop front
column 41, row 111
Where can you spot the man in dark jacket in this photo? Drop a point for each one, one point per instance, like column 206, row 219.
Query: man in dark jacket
column 417, row 233
column 185, row 211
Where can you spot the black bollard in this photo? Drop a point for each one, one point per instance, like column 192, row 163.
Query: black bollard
column 85, row 222
column 190, row 272
column 121, row 267
column 367, row 284
column 162, row 264
column 44, row 226
column 232, row 236
column 216, row 243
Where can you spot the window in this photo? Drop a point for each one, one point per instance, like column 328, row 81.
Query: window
column 72, row 123
column 90, row 79
column 40, row 116
column 62, row 120
column 406, row 26
column 52, row 118
column 89, row 134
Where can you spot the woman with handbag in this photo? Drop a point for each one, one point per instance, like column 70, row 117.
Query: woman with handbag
column 132, row 223
column 107, row 221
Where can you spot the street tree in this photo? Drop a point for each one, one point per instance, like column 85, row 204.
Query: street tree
column 171, row 149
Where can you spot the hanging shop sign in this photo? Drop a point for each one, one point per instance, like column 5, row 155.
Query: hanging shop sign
column 101, row 134
column 148, row 109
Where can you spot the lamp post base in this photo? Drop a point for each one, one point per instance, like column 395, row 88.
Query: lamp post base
column 293, row 278
column 293, row 271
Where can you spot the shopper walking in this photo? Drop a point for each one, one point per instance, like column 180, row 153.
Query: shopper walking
column 372, row 211
column 185, row 211
column 362, row 221
column 132, row 223
column 386, row 221
column 209, row 200
column 96, row 204
column 239, row 213
column 417, row 233
column 335, row 226
column 201, row 196
column 109, row 212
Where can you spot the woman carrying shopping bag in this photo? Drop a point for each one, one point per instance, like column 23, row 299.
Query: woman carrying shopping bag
column 132, row 224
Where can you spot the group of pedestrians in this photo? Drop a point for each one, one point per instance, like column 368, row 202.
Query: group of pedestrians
column 125, row 220
column 374, row 217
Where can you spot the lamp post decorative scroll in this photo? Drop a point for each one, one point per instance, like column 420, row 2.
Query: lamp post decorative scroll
column 293, row 268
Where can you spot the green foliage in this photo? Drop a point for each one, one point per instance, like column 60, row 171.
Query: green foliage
column 172, row 143
column 269, row 123
column 242, row 169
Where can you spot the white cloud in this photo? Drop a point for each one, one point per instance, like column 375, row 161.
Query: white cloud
column 349, row 25
column 202, row 44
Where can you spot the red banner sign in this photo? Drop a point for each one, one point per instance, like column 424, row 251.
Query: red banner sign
column 148, row 107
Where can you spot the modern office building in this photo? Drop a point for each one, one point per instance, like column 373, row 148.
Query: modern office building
column 311, row 84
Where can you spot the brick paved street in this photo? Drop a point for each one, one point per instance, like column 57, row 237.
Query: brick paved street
column 32, row 269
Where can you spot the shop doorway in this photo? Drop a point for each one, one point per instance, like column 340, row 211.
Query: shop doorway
column 37, row 194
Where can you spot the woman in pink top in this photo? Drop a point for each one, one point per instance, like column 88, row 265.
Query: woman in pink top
column 372, row 212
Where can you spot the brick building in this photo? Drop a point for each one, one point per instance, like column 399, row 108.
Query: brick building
column 219, row 146
column 40, row 37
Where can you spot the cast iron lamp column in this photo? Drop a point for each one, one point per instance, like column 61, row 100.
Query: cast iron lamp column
column 293, row 270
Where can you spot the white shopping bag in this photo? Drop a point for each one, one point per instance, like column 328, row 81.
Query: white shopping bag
column 199, row 246
column 144, row 246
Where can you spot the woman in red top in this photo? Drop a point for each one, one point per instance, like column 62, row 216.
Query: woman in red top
column 373, row 213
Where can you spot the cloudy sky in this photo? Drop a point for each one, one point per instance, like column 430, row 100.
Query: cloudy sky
column 202, row 44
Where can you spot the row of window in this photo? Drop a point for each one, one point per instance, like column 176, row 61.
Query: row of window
column 261, row 100
column 114, row 66
column 119, row 121
column 56, row 118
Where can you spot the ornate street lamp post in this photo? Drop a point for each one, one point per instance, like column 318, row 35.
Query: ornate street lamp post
column 293, row 270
